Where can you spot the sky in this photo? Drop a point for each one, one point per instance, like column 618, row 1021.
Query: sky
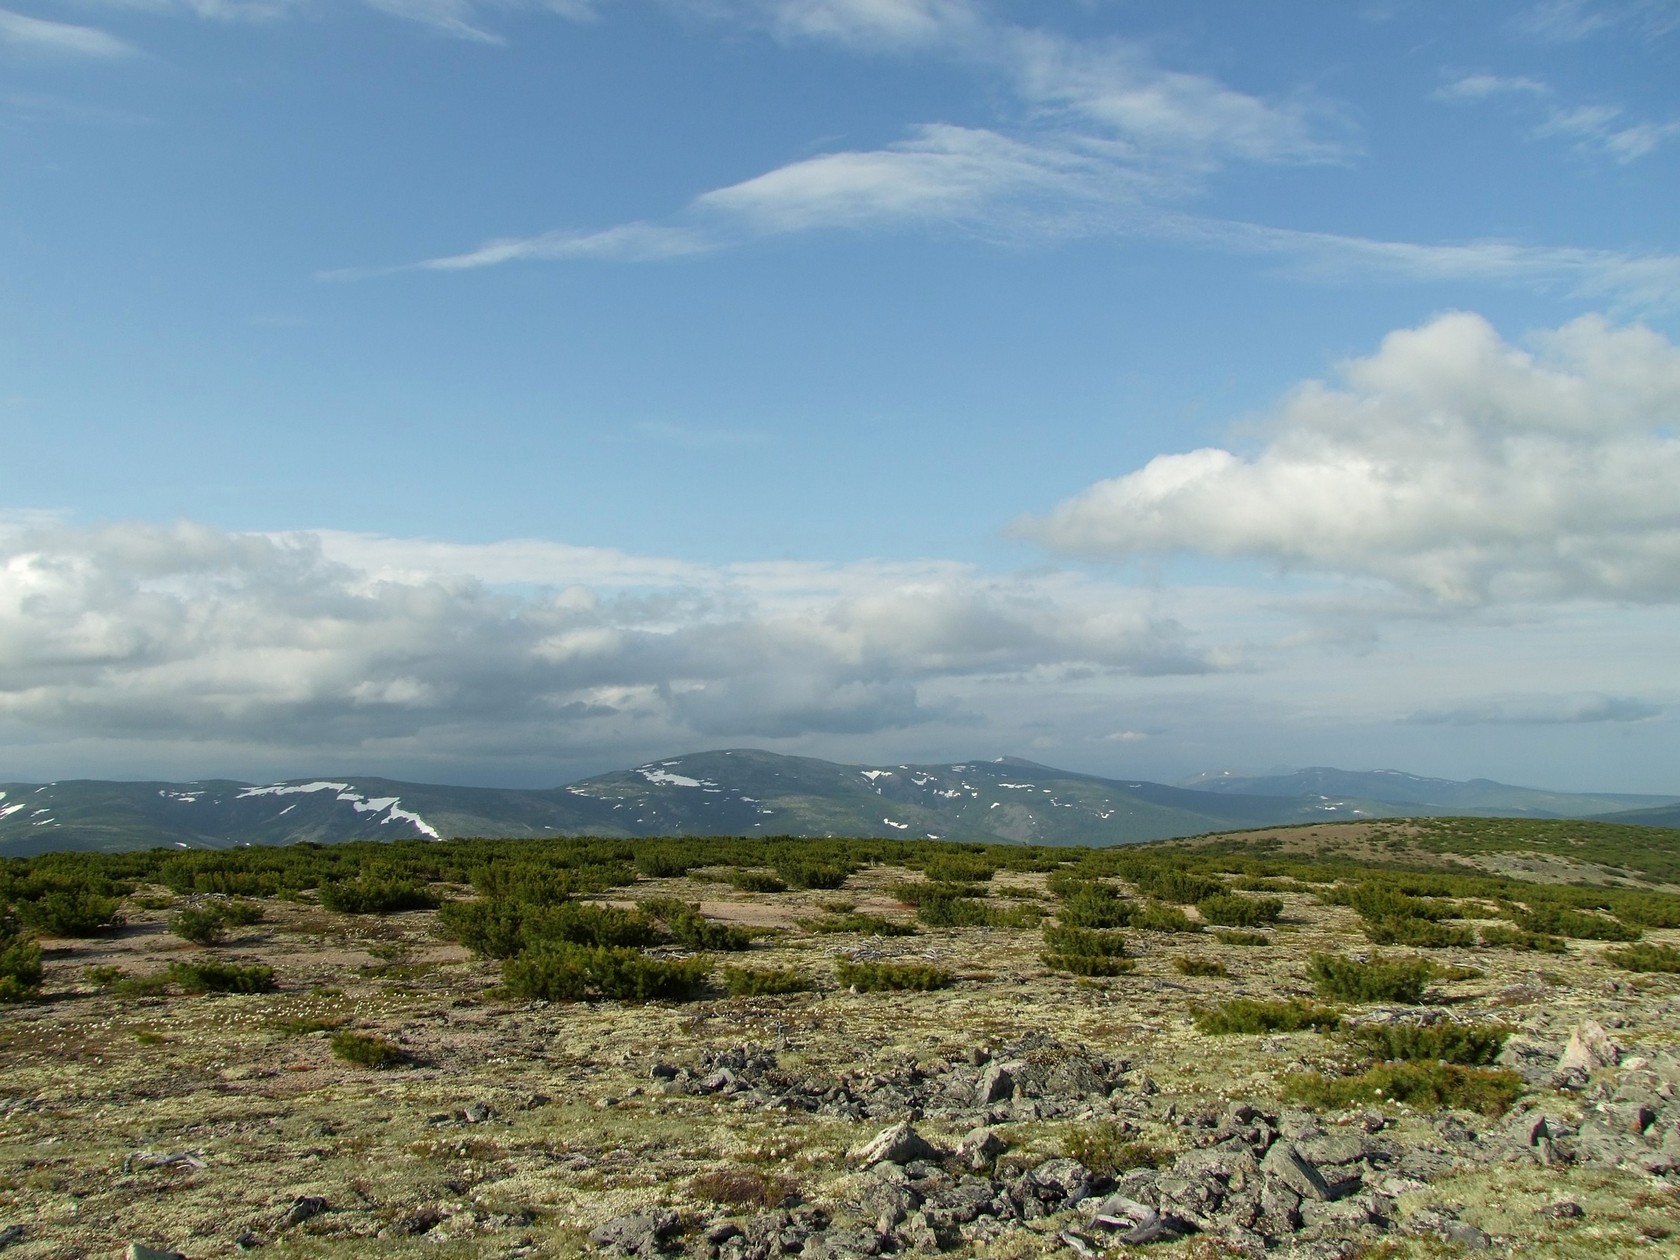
column 502, row 391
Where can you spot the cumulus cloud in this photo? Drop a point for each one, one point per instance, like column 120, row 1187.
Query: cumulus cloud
column 1450, row 462
column 335, row 641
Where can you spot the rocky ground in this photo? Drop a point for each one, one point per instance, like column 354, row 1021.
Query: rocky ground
column 1020, row 1112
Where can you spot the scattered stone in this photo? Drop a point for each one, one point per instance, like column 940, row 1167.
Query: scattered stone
column 640, row 1234
column 478, row 1113
column 1285, row 1163
column 10, row 1235
column 980, row 1147
column 1563, row 1210
column 897, row 1145
column 247, row 1242
column 997, row 1083
column 1589, row 1049
column 304, row 1207
column 151, row 1159
column 139, row 1251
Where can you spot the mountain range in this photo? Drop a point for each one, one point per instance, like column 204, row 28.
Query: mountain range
column 750, row 792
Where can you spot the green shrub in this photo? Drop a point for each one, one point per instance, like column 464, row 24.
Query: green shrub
column 1422, row 933
column 1252, row 1015
column 1088, row 964
column 754, row 881
column 495, row 930
column 958, row 868
column 564, row 972
column 1422, row 1085
column 69, row 912
column 220, row 977
column 871, row 977
column 804, row 874
column 240, row 913
column 201, row 927
column 20, row 969
column 1501, row 937
column 760, row 982
column 1558, row 920
column 1091, row 942
column 1194, row 965
column 1246, row 939
column 1158, row 916
column 1234, row 910
column 1375, row 900
column 690, row 928
column 664, row 863
column 376, row 895
column 1378, row 980
column 366, row 1049
column 1184, row 888
column 1645, row 957
column 150, row 985
column 1471, row 1045
column 302, row 1025
column 103, row 976
column 1110, row 1151
column 856, row 921
column 1091, row 905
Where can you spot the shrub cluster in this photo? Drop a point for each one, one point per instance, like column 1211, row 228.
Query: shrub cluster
column 1470, row 1045
column 1110, row 1150
column 558, row 971
column 221, row 977
column 1235, row 910
column 753, row 881
column 872, row 977
column 1379, row 979
column 1560, row 920
column 1253, row 1015
column 1646, row 957
column 739, row 1187
column 765, row 981
column 1499, row 936
column 1248, row 939
column 1195, row 965
column 1425, row 1085
column 376, row 894
column 688, row 927
column 200, row 926
column 366, row 1049
column 20, row 965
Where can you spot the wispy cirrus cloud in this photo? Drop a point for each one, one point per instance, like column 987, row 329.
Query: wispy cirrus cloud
column 1602, row 129
column 36, row 37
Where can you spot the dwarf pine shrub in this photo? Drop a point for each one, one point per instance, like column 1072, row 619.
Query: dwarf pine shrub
column 366, row 1049
column 1416, row 1084
column 765, row 981
column 1471, row 1045
column 1091, row 905
column 201, row 927
column 1088, row 964
column 1092, row 942
column 1253, row 1015
column 563, row 972
column 754, row 881
column 20, row 968
column 376, row 895
column 1235, row 910
column 1195, row 965
column 1422, row 933
column 688, row 927
column 1645, row 957
column 69, row 912
column 221, row 977
column 871, row 977
column 1377, row 980
column 1498, row 936
column 1110, row 1150
column 1247, row 939
column 1582, row 925
column 1158, row 916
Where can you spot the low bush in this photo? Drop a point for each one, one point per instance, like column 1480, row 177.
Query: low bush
column 220, row 977
column 1582, row 925
column 366, row 1049
column 501, row 930
column 872, row 977
column 564, row 972
column 1088, row 964
column 104, row 976
column 1093, row 905
column 1092, row 942
column 376, row 895
column 1110, row 1150
column 857, row 921
column 240, row 913
column 802, row 874
column 1645, row 957
column 1470, row 1045
column 1158, row 916
column 1498, row 936
column 1185, row 888
column 20, row 969
column 1423, row 1085
column 764, row 981
column 1246, row 939
column 302, row 1025
column 69, row 912
column 1422, row 933
column 151, row 985
column 1252, row 1015
column 754, row 881
column 664, row 863
column 1233, row 910
column 743, row 1188
column 201, row 927
column 959, row 868
column 688, row 927
column 1377, row 980
column 1194, row 965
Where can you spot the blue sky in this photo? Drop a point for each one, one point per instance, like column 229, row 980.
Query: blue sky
column 500, row 390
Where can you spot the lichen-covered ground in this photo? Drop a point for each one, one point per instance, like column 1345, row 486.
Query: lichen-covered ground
column 215, row 1124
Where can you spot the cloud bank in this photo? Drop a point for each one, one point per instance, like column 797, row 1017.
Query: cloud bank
column 1450, row 463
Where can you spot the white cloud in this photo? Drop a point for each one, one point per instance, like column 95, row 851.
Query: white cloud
column 1541, row 710
column 890, row 24
column 338, row 641
column 38, row 37
column 1479, row 87
column 1605, row 129
column 1450, row 463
